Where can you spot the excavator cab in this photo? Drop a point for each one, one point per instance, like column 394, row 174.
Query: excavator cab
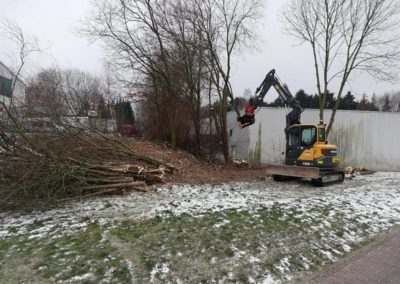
column 306, row 145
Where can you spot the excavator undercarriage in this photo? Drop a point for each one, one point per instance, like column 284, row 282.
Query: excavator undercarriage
column 318, row 177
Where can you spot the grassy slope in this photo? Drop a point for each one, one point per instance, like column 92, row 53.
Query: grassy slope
column 229, row 245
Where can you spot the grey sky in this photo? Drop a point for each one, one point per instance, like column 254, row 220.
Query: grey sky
column 53, row 22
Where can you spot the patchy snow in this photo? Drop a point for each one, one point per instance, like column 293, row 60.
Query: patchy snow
column 108, row 275
column 221, row 224
column 253, row 259
column 283, row 266
column 328, row 255
column 159, row 270
column 376, row 196
column 305, row 262
column 80, row 278
column 372, row 201
column 268, row 279
column 131, row 271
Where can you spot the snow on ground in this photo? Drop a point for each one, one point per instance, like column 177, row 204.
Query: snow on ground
column 371, row 200
column 376, row 196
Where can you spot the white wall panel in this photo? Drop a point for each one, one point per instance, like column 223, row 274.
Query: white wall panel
column 364, row 139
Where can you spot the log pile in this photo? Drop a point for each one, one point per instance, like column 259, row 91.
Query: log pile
column 121, row 177
column 353, row 172
column 66, row 167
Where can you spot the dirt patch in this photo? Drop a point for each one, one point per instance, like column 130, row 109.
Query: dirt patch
column 195, row 171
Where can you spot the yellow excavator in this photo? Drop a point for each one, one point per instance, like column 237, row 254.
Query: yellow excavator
column 308, row 153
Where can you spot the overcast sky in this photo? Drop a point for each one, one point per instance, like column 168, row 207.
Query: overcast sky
column 53, row 22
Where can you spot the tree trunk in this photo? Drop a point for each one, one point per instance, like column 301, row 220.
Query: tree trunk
column 224, row 124
column 334, row 109
column 173, row 130
column 321, row 110
column 211, row 117
column 196, row 122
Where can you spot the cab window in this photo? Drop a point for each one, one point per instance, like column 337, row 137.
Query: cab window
column 294, row 137
column 321, row 134
column 308, row 136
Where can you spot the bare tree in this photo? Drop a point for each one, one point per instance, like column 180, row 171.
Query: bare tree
column 347, row 36
column 81, row 91
column 173, row 49
column 389, row 101
column 228, row 26
column 11, row 123
column 56, row 92
column 181, row 23
column 44, row 94
column 25, row 46
column 134, row 34
column 396, row 101
column 247, row 93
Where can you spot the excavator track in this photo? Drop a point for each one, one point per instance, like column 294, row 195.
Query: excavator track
column 318, row 177
column 329, row 177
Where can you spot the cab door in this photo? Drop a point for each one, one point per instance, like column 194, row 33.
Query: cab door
column 300, row 141
column 293, row 145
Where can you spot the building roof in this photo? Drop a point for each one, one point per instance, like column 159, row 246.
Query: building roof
column 11, row 72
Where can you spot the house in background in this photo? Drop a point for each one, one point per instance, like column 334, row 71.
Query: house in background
column 7, row 94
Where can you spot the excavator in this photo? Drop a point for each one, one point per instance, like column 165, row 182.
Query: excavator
column 308, row 154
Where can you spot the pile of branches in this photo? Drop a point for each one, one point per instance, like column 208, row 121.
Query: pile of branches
column 61, row 166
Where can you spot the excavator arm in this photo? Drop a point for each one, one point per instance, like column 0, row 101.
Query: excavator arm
column 293, row 117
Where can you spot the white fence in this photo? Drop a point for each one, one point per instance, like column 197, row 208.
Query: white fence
column 364, row 139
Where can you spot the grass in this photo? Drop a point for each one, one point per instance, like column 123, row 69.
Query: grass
column 4, row 245
column 61, row 259
column 231, row 245
column 221, row 243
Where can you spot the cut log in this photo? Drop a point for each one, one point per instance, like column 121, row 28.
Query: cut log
column 115, row 185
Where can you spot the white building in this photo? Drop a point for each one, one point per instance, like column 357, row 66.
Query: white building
column 8, row 92
column 364, row 138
